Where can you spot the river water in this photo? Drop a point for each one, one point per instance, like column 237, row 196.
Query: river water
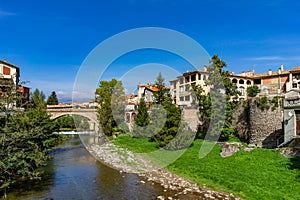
column 75, row 174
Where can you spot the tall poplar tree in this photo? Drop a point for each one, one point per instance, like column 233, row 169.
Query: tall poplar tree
column 142, row 118
column 111, row 99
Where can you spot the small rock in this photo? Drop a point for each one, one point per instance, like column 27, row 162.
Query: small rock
column 160, row 198
column 143, row 182
column 248, row 149
column 170, row 198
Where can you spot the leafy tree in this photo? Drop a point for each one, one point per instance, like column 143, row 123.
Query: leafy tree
column 252, row 91
column 65, row 123
column 111, row 99
column 25, row 138
column 142, row 118
column 52, row 99
column 204, row 105
column 217, row 106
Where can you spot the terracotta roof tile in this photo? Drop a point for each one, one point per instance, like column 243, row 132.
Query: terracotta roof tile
column 295, row 69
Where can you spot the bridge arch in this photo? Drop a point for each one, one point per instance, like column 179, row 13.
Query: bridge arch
column 90, row 114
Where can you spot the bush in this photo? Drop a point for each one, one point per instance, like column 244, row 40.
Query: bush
column 252, row 91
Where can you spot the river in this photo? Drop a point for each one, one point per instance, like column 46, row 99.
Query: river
column 74, row 174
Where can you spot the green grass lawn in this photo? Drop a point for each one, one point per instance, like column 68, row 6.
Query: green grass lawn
column 260, row 174
column 137, row 145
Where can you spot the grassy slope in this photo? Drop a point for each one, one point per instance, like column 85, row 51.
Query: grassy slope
column 260, row 174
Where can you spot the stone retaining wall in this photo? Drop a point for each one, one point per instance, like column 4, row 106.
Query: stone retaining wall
column 262, row 128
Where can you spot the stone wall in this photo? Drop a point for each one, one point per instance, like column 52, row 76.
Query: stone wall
column 262, row 128
column 241, row 122
column 190, row 116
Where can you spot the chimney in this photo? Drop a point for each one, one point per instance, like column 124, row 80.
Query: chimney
column 205, row 69
column 270, row 72
column 243, row 73
column 281, row 67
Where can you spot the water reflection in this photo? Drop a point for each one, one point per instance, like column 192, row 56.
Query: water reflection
column 74, row 174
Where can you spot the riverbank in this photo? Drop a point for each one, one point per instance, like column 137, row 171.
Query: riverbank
column 126, row 161
column 256, row 174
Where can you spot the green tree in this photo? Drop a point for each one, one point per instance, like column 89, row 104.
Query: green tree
column 160, row 95
column 65, row 123
column 111, row 99
column 142, row 118
column 25, row 138
column 52, row 99
column 172, row 122
column 218, row 106
column 38, row 99
column 204, row 105
column 171, row 117
column 252, row 91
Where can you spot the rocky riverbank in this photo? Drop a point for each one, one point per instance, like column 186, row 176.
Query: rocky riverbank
column 129, row 162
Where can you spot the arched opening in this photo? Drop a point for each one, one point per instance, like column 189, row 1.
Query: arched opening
column 234, row 80
column 241, row 81
column 133, row 115
column 248, row 82
column 73, row 122
column 242, row 91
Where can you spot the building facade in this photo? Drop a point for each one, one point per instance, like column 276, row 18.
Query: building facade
column 9, row 82
column 181, row 88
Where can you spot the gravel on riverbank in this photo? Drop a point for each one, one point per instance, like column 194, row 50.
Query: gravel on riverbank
column 129, row 162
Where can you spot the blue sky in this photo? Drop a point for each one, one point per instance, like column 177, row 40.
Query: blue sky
column 50, row 39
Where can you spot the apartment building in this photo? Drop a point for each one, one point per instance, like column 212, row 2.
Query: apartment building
column 181, row 88
column 270, row 83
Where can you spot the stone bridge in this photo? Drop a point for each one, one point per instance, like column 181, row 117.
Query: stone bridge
column 89, row 113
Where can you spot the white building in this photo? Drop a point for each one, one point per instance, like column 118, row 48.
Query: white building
column 8, row 72
column 181, row 88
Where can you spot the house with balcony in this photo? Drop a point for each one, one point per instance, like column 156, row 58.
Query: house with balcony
column 181, row 87
column 9, row 76
column 147, row 91
column 270, row 83
column 9, row 81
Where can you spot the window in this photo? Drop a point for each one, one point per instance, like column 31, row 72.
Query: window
column 199, row 76
column 204, row 77
column 6, row 70
column 294, row 85
column 187, row 79
column 241, row 81
column 181, row 80
column 248, row 82
column 242, row 91
column 181, row 89
column 181, row 98
column 187, row 98
column 234, row 80
column 187, row 88
column 193, row 77
column 257, row 81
